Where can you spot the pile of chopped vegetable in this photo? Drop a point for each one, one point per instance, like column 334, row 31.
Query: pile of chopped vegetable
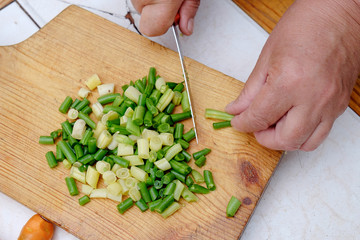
column 137, row 146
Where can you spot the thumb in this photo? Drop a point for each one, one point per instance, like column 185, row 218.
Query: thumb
column 187, row 14
column 252, row 87
column 156, row 18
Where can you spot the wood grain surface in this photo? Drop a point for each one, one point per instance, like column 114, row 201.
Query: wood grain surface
column 35, row 77
column 4, row 3
column 268, row 13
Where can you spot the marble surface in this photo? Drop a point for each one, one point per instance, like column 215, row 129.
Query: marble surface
column 311, row 195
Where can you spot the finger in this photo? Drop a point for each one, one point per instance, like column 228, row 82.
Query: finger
column 269, row 105
column 187, row 12
column 253, row 85
column 317, row 137
column 157, row 18
column 290, row 132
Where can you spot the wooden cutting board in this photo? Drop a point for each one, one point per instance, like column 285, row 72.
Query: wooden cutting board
column 35, row 77
column 268, row 13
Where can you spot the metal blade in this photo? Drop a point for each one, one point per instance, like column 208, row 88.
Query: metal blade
column 176, row 36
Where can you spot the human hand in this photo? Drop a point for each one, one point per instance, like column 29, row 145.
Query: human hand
column 157, row 16
column 304, row 76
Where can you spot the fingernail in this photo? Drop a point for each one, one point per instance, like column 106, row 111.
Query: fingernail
column 190, row 26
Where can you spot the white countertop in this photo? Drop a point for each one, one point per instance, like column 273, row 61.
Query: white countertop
column 312, row 195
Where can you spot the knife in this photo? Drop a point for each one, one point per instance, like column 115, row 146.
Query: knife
column 176, row 36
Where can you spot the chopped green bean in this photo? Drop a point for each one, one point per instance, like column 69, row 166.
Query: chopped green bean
column 189, row 181
column 158, row 184
column 197, row 176
column 84, row 200
column 154, row 204
column 69, row 154
column 87, row 135
column 86, row 110
column 144, row 192
column 184, row 144
column 179, row 129
column 82, row 104
column 141, row 204
column 179, row 176
column 170, row 188
column 186, row 155
column 65, row 105
column 78, row 151
column 108, row 98
column 165, row 203
column 200, row 161
column 125, row 205
column 223, row 124
column 200, row 153
column 59, row 154
column 210, row 184
column 75, row 103
column 100, row 154
column 87, row 119
column 167, row 178
column 190, row 135
column 92, row 145
column 180, row 167
column 71, row 185
column 86, row 159
column 216, row 114
column 121, row 161
column 233, row 206
column 50, row 157
column 176, row 117
column 46, row 140
column 153, row 193
column 198, row 189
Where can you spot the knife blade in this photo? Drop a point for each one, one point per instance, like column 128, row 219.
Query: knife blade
column 176, row 36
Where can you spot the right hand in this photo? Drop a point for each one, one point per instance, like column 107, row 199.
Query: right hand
column 157, row 16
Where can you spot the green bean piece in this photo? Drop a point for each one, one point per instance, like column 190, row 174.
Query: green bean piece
column 84, row 200
column 139, row 85
column 187, row 155
column 184, row 144
column 132, row 128
column 141, row 204
column 83, row 168
column 179, row 176
column 224, row 124
column 170, row 108
column 67, row 151
column 125, row 205
column 92, row 145
column 108, row 98
column 165, row 203
column 190, row 135
column 179, row 157
column 87, row 119
column 87, row 135
column 218, row 115
column 201, row 161
column 170, row 188
column 117, row 128
column 138, row 116
column 86, row 159
column 200, row 153
column 144, row 80
column 179, row 87
column 151, row 107
column 166, row 148
column 71, row 185
column 197, row 176
column 198, row 189
column 116, row 121
column 157, row 119
column 148, row 119
column 158, row 184
column 67, row 127
column 51, row 160
column 48, row 140
column 167, row 178
column 100, row 154
column 78, row 151
column 59, row 154
column 164, row 128
column 180, row 167
column 233, row 206
column 118, row 109
column 189, row 196
column 65, row 105
column 121, row 161
column 176, row 117
column 160, row 154
column 161, row 193
column 208, row 177
column 85, row 149
column 82, row 104
column 154, row 204
column 75, row 103
column 171, row 85
column 148, row 166
column 117, row 101
column 185, row 104
column 149, row 182
column 152, row 76
column 189, row 181
column 159, row 173
column 72, row 141
column 124, row 87
column 179, row 130
column 55, row 134
column 152, row 173
column 144, row 192
column 155, row 96
column 166, row 119
column 86, row 110
column 129, row 103
column 153, row 193
column 177, row 98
